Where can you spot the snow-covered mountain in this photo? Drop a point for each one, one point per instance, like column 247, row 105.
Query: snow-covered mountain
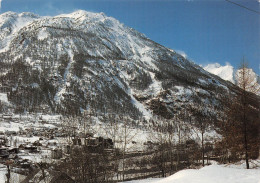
column 225, row 72
column 83, row 60
column 228, row 73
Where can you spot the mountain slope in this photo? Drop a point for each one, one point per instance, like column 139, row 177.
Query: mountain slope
column 78, row 61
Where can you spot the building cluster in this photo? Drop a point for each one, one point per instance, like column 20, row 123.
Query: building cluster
column 49, row 141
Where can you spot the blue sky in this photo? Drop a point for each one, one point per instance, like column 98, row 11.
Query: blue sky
column 208, row 31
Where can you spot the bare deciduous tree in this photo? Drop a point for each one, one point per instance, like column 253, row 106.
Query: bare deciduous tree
column 240, row 124
column 248, row 83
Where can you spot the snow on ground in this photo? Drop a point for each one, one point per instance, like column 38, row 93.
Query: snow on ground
column 67, row 74
column 10, row 126
column 14, row 176
column 146, row 58
column 51, row 118
column 211, row 174
column 156, row 86
column 183, row 91
column 43, row 34
column 3, row 98
column 147, row 114
column 254, row 164
column 154, row 180
column 202, row 81
column 215, row 174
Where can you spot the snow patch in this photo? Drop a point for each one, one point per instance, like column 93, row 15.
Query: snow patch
column 43, row 34
column 141, row 108
column 183, row 91
column 4, row 99
column 154, row 88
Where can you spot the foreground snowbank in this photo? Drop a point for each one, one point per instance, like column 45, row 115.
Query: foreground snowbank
column 215, row 174
column 211, row 174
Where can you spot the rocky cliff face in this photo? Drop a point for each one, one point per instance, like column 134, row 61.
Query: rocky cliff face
column 72, row 62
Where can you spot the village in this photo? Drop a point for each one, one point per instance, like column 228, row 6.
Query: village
column 26, row 141
column 30, row 143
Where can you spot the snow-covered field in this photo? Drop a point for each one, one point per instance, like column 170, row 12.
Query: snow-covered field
column 212, row 174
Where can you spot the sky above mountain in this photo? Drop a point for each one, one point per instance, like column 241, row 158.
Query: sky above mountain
column 205, row 31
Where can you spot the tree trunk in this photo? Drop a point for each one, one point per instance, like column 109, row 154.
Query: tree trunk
column 8, row 175
column 202, row 146
column 245, row 141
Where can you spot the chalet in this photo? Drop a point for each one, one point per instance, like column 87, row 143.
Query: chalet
column 31, row 149
column 12, row 156
column 5, row 89
column 13, row 150
column 105, row 143
column 3, row 152
column 9, row 133
column 94, row 142
column 77, row 141
column 91, row 141
column 37, row 143
column 22, row 147
column 25, row 164
column 85, row 135
column 3, row 140
column 7, row 116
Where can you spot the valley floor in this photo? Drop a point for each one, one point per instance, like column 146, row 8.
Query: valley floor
column 212, row 174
